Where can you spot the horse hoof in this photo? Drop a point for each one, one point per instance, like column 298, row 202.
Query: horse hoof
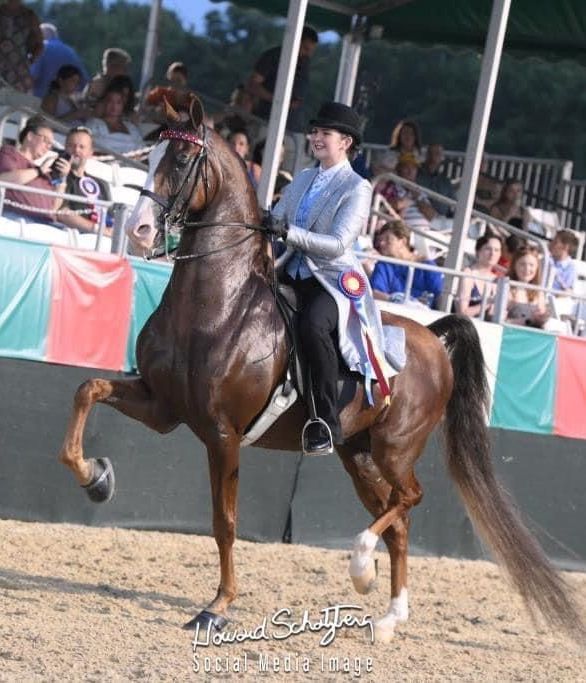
column 365, row 582
column 206, row 620
column 383, row 633
column 102, row 485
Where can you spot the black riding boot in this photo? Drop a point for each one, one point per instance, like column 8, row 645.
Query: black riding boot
column 318, row 323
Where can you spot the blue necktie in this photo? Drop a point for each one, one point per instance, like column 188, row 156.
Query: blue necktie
column 297, row 268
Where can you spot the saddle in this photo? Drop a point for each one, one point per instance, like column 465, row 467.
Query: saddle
column 298, row 383
column 289, row 306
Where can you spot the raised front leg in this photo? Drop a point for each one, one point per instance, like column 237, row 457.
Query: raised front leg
column 223, row 456
column 131, row 397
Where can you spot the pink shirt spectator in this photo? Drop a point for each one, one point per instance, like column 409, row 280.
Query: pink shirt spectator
column 11, row 160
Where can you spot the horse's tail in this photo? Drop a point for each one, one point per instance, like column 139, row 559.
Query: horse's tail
column 488, row 504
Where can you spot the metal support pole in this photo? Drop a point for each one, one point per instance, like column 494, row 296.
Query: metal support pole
column 349, row 60
column 150, row 48
column 476, row 139
column 281, row 100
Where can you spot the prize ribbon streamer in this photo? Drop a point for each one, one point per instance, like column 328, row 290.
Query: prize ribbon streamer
column 352, row 284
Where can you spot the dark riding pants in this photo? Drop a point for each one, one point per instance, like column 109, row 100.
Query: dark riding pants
column 318, row 324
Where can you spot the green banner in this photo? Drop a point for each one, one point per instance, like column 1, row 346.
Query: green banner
column 25, row 295
column 525, row 384
column 150, row 280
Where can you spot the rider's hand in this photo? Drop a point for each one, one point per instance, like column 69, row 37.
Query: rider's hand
column 273, row 226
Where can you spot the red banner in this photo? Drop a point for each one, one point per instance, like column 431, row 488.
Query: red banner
column 570, row 402
column 91, row 301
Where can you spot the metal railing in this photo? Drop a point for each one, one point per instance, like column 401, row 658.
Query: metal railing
column 119, row 210
column 490, row 220
column 495, row 291
column 543, row 179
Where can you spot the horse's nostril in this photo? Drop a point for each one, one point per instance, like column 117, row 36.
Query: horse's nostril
column 143, row 228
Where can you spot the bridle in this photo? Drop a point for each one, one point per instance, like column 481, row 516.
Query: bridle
column 176, row 208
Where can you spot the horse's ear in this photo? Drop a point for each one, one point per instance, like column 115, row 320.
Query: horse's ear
column 170, row 114
column 195, row 111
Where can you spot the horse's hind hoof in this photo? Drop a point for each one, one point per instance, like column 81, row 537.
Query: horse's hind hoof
column 206, row 620
column 102, row 485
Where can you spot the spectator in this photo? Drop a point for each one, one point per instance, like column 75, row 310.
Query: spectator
column 238, row 114
column 488, row 188
column 255, row 169
column 113, row 131
column 389, row 279
column 79, row 144
column 430, row 176
column 55, row 54
column 17, row 165
column 470, row 289
column 21, row 42
column 525, row 306
column 412, row 206
column 561, row 249
column 176, row 77
column 511, row 245
column 262, row 81
column 508, row 206
column 59, row 101
column 115, row 62
column 405, row 140
column 123, row 85
column 240, row 143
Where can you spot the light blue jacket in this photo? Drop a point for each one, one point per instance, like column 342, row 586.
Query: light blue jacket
column 338, row 215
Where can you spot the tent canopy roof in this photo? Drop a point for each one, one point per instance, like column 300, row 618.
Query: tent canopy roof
column 551, row 29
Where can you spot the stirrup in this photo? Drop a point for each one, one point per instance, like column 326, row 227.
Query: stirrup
column 304, row 445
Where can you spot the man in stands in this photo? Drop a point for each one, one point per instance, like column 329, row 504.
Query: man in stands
column 55, row 54
column 79, row 144
column 430, row 176
column 27, row 165
column 261, row 83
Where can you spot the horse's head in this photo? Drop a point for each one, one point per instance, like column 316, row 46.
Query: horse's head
column 178, row 183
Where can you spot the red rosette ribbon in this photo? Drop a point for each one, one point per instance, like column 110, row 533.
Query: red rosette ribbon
column 352, row 284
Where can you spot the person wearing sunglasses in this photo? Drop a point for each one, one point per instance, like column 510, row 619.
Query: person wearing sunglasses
column 28, row 164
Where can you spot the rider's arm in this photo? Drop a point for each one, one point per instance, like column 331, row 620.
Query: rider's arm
column 349, row 220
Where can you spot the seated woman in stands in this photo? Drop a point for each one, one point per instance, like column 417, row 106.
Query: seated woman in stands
column 471, row 289
column 22, row 165
column 59, row 101
column 405, row 139
column 508, row 206
column 389, row 280
column 525, row 306
column 114, row 131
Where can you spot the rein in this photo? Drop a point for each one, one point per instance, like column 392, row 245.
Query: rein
column 178, row 219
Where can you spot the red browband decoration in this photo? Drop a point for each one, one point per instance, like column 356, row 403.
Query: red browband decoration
column 176, row 134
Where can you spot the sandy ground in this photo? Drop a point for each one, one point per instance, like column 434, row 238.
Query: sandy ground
column 90, row 604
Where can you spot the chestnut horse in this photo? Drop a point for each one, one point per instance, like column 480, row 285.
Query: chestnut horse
column 216, row 348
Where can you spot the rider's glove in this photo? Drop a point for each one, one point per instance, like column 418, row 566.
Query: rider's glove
column 274, row 226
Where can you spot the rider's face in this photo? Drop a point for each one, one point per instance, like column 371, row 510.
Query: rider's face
column 329, row 146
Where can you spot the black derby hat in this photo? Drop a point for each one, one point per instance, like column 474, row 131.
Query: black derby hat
column 340, row 117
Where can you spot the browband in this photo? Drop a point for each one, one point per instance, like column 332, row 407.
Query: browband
column 177, row 134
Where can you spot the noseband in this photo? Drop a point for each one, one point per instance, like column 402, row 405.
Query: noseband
column 173, row 218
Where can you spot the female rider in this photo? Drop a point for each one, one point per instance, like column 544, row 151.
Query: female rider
column 320, row 215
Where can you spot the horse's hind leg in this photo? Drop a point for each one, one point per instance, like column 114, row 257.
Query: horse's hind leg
column 389, row 503
column 131, row 397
